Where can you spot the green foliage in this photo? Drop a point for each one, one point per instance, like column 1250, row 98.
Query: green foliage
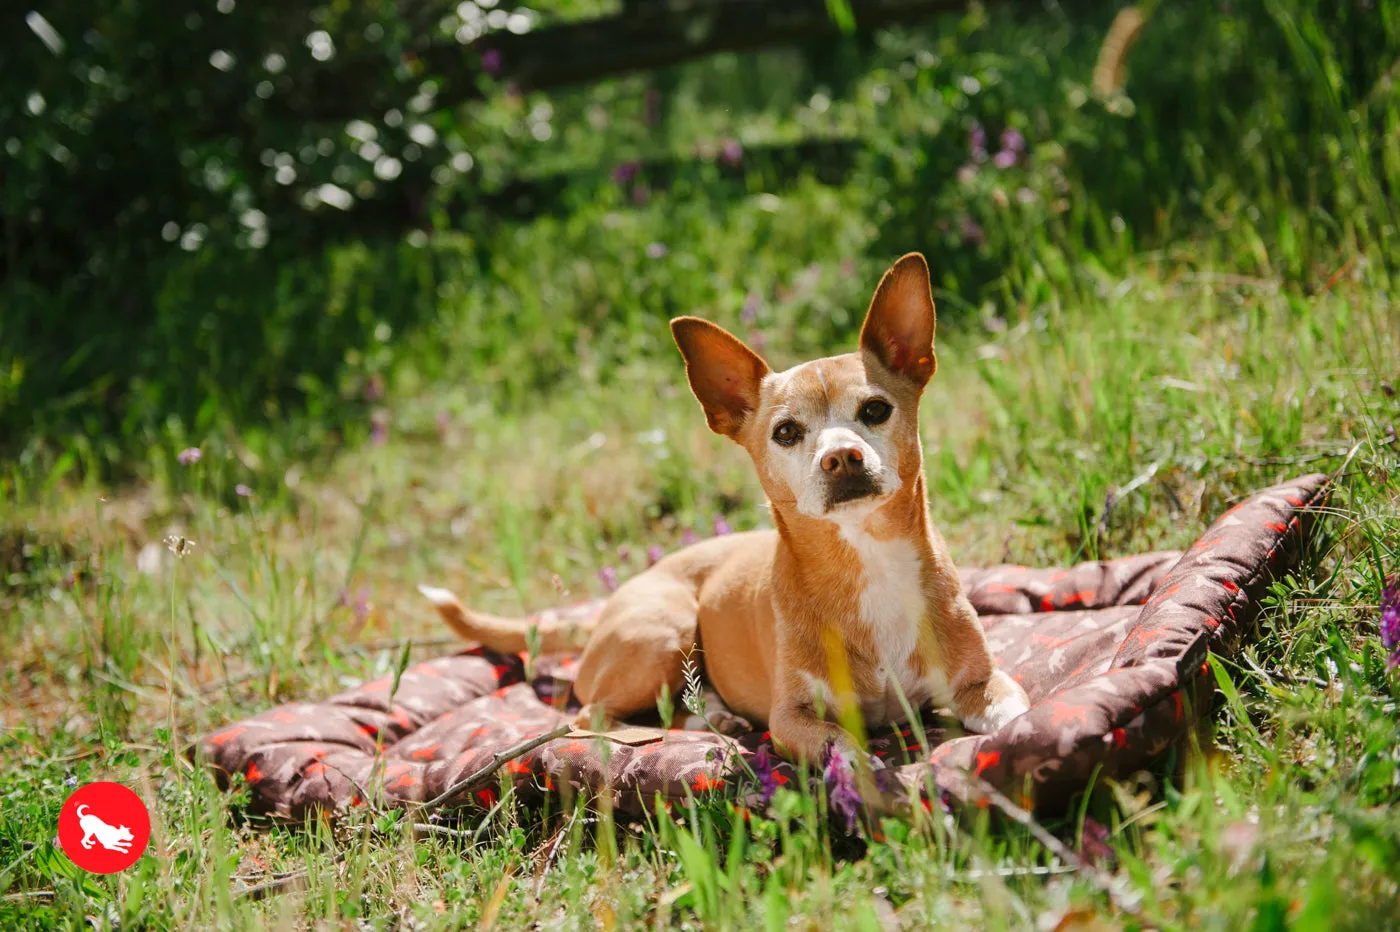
column 1271, row 143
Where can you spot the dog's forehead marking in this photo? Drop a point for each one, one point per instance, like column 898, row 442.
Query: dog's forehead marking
column 814, row 387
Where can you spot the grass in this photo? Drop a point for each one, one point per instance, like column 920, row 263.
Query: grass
column 1286, row 813
column 508, row 417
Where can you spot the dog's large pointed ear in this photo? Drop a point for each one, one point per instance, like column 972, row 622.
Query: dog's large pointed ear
column 899, row 326
column 724, row 373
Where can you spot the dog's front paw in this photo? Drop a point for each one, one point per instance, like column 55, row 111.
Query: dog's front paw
column 1001, row 700
column 720, row 720
column 729, row 724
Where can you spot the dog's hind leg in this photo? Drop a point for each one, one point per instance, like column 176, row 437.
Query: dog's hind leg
column 646, row 632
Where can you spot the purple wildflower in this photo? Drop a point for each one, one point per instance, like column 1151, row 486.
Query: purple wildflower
column 657, row 250
column 1012, row 140
column 1004, row 159
column 624, row 553
column 977, row 142
column 972, row 232
column 189, row 456
column 731, row 152
column 1094, row 843
column 608, row 577
column 841, row 786
column 640, row 194
column 689, row 537
column 360, row 604
column 624, row 173
column 766, row 772
column 757, row 341
column 379, row 428
column 1390, row 620
column 491, row 62
column 654, row 553
column 374, row 387
column 242, row 491
column 748, row 314
column 722, row 526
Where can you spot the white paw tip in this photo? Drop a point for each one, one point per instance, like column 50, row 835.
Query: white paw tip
column 997, row 715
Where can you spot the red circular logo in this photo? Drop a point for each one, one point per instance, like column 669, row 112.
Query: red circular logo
column 104, row 827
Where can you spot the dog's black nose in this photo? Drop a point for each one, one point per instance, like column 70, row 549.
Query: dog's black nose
column 844, row 461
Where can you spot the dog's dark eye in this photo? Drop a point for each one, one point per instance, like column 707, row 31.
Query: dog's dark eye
column 787, row 433
column 875, row 412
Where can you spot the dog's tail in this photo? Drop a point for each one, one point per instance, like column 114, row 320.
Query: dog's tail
column 81, row 810
column 507, row 635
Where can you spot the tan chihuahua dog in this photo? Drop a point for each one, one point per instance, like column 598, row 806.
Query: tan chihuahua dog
column 836, row 445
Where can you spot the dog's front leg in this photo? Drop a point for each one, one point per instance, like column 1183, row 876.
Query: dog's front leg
column 803, row 735
column 984, row 698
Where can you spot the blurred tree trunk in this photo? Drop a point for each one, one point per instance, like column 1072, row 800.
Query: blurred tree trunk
column 645, row 35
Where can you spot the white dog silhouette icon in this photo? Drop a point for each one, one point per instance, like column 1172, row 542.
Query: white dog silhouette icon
column 112, row 837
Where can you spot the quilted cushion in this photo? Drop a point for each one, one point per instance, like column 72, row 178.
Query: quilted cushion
column 1111, row 653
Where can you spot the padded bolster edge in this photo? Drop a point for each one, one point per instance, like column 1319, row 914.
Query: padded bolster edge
column 1020, row 590
column 1216, row 588
column 1131, row 712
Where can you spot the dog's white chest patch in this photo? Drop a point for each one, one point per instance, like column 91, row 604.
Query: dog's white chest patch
column 892, row 594
column 892, row 605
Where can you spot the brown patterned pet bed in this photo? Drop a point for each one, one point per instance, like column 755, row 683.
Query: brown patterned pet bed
column 1112, row 654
